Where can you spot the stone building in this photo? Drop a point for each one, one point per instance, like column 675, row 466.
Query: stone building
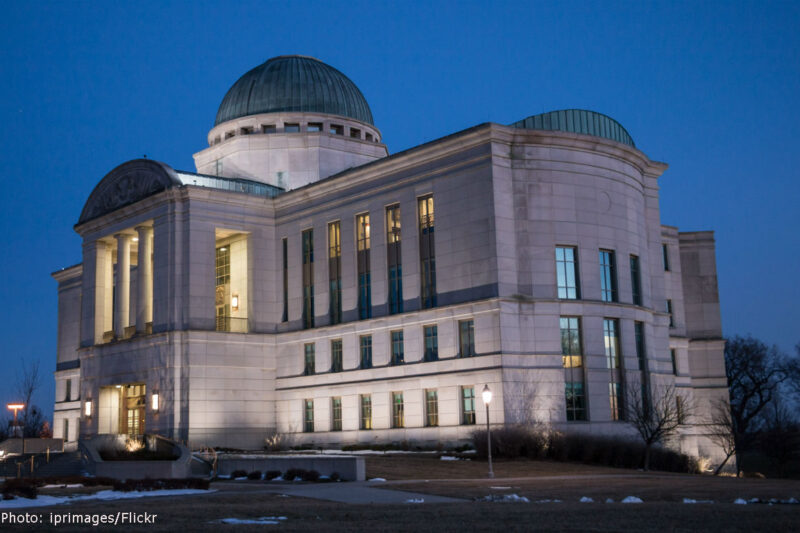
column 304, row 281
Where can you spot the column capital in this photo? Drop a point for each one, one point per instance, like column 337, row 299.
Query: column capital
column 143, row 229
column 123, row 235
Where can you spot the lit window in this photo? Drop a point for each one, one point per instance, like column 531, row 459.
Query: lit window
column 365, row 348
column 363, row 266
column 571, row 354
column 336, row 413
column 636, row 281
column 398, row 356
column 427, row 253
column 366, row 411
column 336, row 355
column 468, row 405
column 431, row 408
column 431, row 343
column 398, row 418
column 394, row 259
column 567, row 272
column 466, row 338
column 308, row 416
column 608, row 276
column 335, row 272
column 308, row 351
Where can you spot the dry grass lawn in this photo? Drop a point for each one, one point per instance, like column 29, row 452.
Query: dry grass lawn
column 663, row 509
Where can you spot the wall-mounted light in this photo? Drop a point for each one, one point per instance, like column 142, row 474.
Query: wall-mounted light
column 87, row 408
column 154, row 401
column 235, row 302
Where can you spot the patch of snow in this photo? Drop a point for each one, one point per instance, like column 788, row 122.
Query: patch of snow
column 448, row 458
column 470, row 451
column 242, row 478
column 754, row 500
column 62, row 486
column 504, row 498
column 500, row 488
column 279, row 478
column 324, row 477
column 416, row 500
column 547, row 501
column 224, row 476
column 790, row 501
column 609, row 500
column 632, row 499
column 104, row 495
column 692, row 500
column 739, row 501
column 377, row 480
column 586, row 499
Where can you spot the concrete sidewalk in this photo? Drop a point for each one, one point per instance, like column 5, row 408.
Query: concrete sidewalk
column 354, row 492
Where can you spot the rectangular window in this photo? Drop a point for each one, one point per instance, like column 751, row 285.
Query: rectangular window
column 394, row 259
column 669, row 312
column 665, row 256
column 285, row 316
column 308, row 278
column 363, row 266
column 308, row 416
column 291, row 128
column 427, row 252
column 468, row 405
column 223, row 266
column 335, row 272
column 611, row 336
column 398, row 357
column 571, row 354
column 314, row 126
column 636, row 281
column 222, row 289
column 576, row 401
column 641, row 355
column 616, row 401
column 66, row 430
column 365, row 349
column 336, row 413
column 608, row 276
column 308, row 357
column 336, row 129
column 398, row 411
column 674, row 358
column 269, row 128
column 336, row 355
column 638, row 331
column 369, row 137
column 567, row 272
column 355, row 133
column 246, row 131
column 431, row 408
column 68, row 392
column 431, row 343
column 466, row 338
column 680, row 409
column 366, row 411
column 572, row 359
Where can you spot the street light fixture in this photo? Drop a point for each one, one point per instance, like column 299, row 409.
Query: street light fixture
column 15, row 407
column 487, row 399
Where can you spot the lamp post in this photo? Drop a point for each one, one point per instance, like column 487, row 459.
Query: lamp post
column 487, row 399
column 16, row 407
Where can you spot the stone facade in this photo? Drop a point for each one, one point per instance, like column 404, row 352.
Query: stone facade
column 223, row 358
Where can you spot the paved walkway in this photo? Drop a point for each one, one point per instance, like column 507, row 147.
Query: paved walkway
column 350, row 492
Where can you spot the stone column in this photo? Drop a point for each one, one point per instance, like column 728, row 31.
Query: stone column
column 144, row 300
column 123, row 300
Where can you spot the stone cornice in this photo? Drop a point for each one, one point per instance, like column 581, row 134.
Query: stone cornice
column 68, row 273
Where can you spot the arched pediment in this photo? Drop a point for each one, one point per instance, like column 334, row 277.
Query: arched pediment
column 127, row 184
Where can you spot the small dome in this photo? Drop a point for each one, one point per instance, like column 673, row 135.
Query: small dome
column 294, row 84
column 577, row 121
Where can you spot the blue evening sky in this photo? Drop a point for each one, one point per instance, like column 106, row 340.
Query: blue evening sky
column 711, row 88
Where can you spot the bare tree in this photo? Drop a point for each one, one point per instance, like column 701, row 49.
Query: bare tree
column 755, row 372
column 658, row 417
column 28, row 382
column 722, row 431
